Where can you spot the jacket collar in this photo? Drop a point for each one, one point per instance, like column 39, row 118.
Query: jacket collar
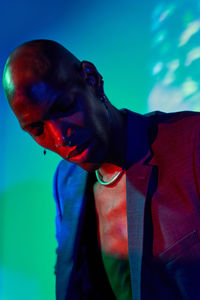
column 139, row 170
column 138, row 138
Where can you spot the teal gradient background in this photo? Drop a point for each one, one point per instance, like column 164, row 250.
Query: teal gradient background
column 132, row 44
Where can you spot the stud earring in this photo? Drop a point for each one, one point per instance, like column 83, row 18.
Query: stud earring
column 102, row 98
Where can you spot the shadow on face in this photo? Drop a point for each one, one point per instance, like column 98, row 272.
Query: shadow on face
column 54, row 97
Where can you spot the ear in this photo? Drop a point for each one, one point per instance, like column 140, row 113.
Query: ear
column 92, row 76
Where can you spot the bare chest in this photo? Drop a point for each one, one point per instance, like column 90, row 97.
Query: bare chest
column 110, row 203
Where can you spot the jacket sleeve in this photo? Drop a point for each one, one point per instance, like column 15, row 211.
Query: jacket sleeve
column 57, row 201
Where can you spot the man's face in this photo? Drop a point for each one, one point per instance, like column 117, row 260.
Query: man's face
column 70, row 120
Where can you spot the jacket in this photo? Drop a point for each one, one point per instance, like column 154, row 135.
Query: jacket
column 163, row 214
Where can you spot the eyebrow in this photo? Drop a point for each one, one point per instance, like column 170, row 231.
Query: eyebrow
column 54, row 101
column 24, row 126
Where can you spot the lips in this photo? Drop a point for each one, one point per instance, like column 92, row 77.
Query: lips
column 79, row 149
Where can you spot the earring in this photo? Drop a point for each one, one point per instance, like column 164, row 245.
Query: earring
column 44, row 152
column 102, row 98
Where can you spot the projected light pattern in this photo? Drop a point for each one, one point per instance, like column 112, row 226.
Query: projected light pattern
column 175, row 68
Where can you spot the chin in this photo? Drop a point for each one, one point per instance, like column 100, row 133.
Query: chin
column 89, row 160
column 98, row 161
column 89, row 167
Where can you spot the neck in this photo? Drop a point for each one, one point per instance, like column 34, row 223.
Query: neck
column 117, row 149
column 109, row 169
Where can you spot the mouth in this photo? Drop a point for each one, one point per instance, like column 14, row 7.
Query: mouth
column 78, row 151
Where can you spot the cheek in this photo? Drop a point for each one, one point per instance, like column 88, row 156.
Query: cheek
column 103, row 129
column 45, row 141
column 77, row 119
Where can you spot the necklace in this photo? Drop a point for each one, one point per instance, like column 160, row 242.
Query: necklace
column 112, row 181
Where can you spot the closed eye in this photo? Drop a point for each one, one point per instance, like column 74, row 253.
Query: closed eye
column 35, row 129
column 62, row 107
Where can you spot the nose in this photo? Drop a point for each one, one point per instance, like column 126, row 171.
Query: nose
column 57, row 132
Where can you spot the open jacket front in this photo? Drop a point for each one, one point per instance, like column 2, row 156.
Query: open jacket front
column 163, row 214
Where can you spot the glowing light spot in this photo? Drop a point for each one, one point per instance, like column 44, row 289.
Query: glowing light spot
column 7, row 81
column 189, row 87
column 157, row 68
column 167, row 13
column 169, row 78
column 161, row 13
column 173, row 65
column 193, row 55
column 160, row 37
column 158, row 10
column 192, row 29
column 165, row 99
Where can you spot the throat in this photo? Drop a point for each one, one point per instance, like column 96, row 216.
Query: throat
column 109, row 171
column 110, row 203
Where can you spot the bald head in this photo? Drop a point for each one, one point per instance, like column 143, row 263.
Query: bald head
column 60, row 102
column 36, row 61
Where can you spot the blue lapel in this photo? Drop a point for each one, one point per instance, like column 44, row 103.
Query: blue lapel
column 72, row 184
column 137, row 179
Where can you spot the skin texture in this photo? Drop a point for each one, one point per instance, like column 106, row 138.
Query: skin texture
column 110, row 202
column 56, row 99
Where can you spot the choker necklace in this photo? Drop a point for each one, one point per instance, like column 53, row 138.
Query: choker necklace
column 112, row 181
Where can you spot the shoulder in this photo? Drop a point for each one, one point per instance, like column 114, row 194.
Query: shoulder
column 65, row 170
column 178, row 124
column 68, row 179
column 65, row 167
column 159, row 117
column 175, row 135
column 185, row 117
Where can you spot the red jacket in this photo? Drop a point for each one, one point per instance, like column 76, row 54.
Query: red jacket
column 163, row 214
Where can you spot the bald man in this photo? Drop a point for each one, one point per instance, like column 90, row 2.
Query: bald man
column 127, row 190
